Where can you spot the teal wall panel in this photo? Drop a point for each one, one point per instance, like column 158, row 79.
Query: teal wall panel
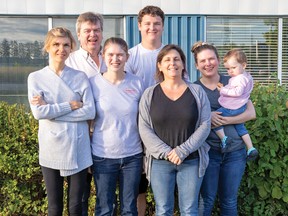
column 180, row 30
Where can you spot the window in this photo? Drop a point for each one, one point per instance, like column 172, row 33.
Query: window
column 112, row 27
column 69, row 23
column 258, row 37
column 284, row 74
column 21, row 43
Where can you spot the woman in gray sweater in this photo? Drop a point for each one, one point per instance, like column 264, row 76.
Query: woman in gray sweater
column 61, row 99
column 174, row 122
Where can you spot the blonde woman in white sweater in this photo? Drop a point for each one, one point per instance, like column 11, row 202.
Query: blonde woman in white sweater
column 61, row 99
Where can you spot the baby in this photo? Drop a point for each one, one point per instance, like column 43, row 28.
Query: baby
column 234, row 97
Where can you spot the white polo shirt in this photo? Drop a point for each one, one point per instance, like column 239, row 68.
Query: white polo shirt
column 81, row 60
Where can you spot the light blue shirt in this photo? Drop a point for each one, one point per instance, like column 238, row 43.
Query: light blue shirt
column 116, row 132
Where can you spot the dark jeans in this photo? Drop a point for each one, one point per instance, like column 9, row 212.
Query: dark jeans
column 222, row 177
column 107, row 172
column 54, row 187
column 86, row 195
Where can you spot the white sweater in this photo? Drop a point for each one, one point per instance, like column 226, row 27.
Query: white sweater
column 64, row 142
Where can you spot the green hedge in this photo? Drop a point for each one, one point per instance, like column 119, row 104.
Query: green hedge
column 21, row 184
column 264, row 189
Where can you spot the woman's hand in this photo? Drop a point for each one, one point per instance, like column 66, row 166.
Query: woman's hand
column 217, row 119
column 38, row 101
column 75, row 105
column 219, row 86
column 173, row 157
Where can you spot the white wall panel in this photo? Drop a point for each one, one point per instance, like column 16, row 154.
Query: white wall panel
column 209, row 7
column 73, row 6
column 267, row 7
column 189, row 7
column 113, row 7
column 131, row 6
column 158, row 3
column 171, row 6
column 282, row 7
column 126, row 7
column 94, row 6
column 3, row 7
column 247, row 7
column 226, row 7
column 16, row 7
column 36, row 7
column 54, row 7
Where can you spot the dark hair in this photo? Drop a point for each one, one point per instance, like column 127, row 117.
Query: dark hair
column 58, row 32
column 239, row 55
column 200, row 46
column 89, row 17
column 151, row 10
column 115, row 40
column 163, row 52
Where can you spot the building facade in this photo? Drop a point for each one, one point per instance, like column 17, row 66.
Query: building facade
column 259, row 27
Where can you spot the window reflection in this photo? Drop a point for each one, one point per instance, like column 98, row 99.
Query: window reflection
column 112, row 26
column 69, row 23
column 21, row 42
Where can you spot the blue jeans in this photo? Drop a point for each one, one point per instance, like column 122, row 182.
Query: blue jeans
column 223, row 176
column 240, row 128
column 107, row 172
column 165, row 176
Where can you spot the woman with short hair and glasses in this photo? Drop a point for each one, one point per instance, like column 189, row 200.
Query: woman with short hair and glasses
column 225, row 170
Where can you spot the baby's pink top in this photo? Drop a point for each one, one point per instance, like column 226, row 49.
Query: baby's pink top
column 237, row 92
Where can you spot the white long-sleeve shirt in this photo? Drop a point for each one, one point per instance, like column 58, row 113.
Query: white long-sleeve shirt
column 81, row 60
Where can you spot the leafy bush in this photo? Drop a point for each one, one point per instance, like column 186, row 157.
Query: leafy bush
column 21, row 184
column 264, row 188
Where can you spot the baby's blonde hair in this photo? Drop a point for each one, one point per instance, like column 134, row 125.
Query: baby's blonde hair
column 238, row 54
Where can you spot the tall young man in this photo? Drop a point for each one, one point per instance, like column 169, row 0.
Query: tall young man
column 142, row 62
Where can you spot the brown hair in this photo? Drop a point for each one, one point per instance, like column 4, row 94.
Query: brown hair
column 238, row 54
column 152, row 11
column 58, row 32
column 163, row 52
column 89, row 17
column 115, row 40
column 200, row 46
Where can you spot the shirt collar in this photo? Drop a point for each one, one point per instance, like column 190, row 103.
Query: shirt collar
column 87, row 54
